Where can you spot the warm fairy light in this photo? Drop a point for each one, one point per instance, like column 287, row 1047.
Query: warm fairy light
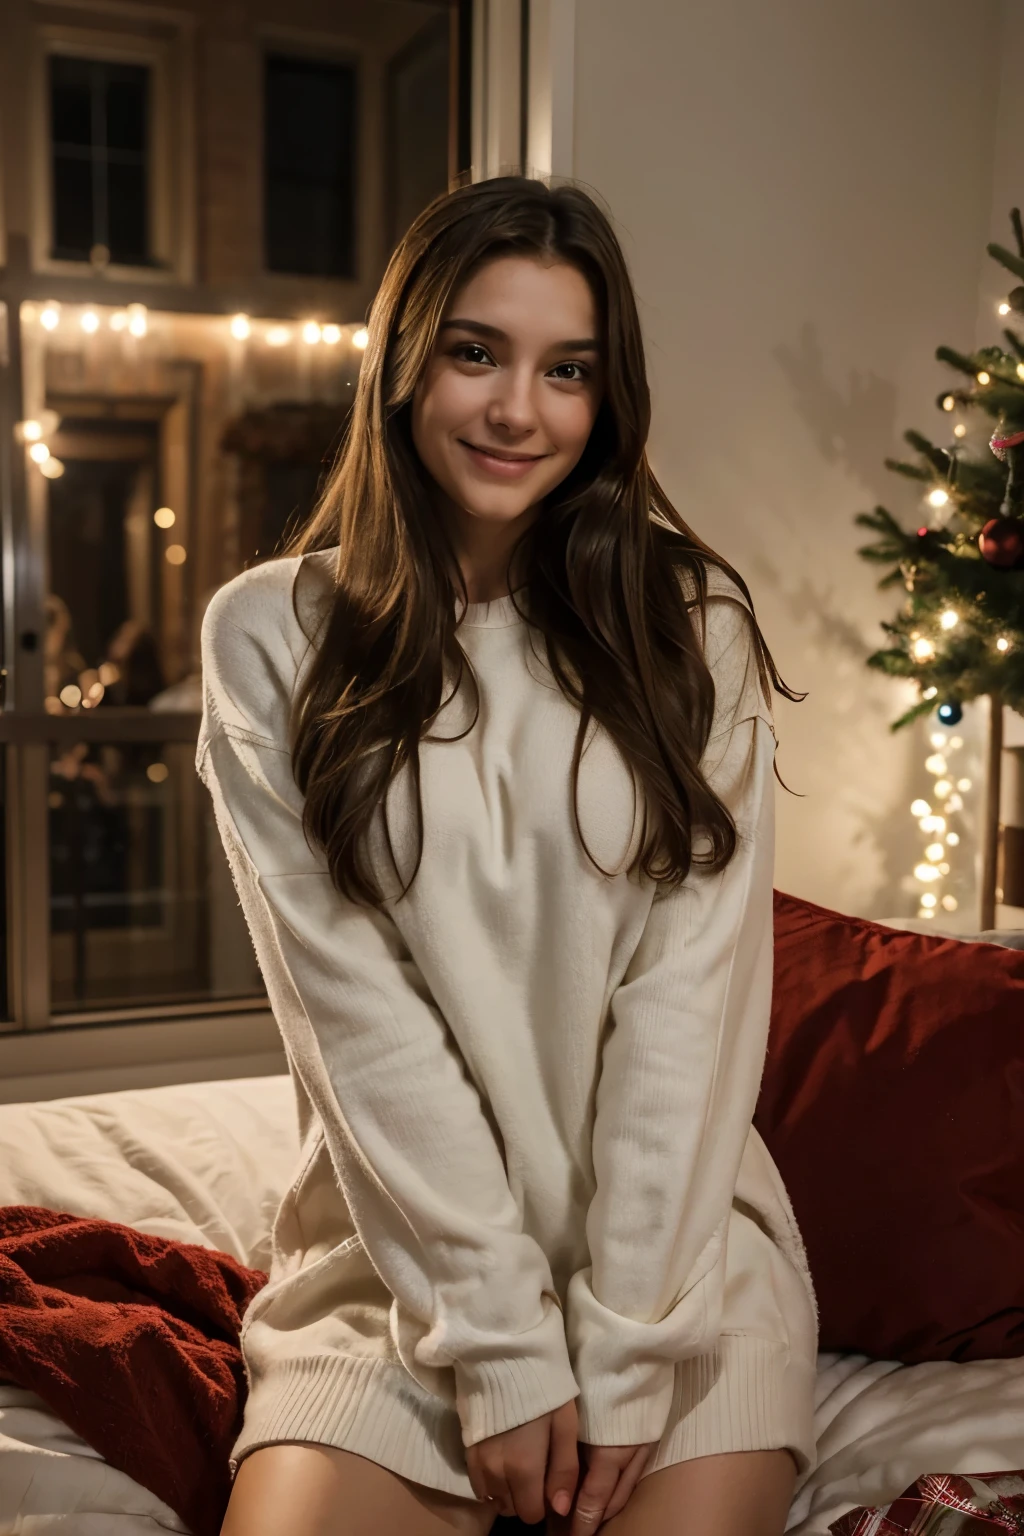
column 963, row 784
column 1020, row 370
column 240, row 327
column 938, row 497
column 949, row 619
column 311, row 333
column 32, row 431
column 943, row 788
column 949, row 404
column 39, row 452
column 926, row 872
column 922, row 650
column 278, row 336
column 929, row 693
column 119, row 319
column 950, row 903
column 163, row 517
column 936, row 763
column 938, row 739
column 52, row 468
column 984, row 378
column 934, row 852
column 960, row 430
column 70, row 695
column 331, row 334
column 49, row 316
column 90, row 321
column 1002, row 644
column 108, row 673
column 156, row 773
column 920, row 808
column 928, row 899
column 953, row 839
column 932, row 823
column 1004, row 308
column 954, row 803
column 138, row 320
column 174, row 554
column 360, row 338
column 955, row 743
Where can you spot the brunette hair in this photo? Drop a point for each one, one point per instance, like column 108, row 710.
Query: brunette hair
column 603, row 560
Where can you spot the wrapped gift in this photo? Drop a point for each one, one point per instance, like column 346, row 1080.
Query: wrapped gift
column 945, row 1504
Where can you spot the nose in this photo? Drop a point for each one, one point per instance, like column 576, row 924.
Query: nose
column 512, row 404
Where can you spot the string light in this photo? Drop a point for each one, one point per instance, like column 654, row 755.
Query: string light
column 52, row 468
column 240, row 327
column 949, row 619
column 90, row 321
column 929, row 693
column 949, row 403
column 1020, row 370
column 138, row 320
column 119, row 319
column 49, row 315
column 1002, row 644
column 39, row 452
column 163, row 517
column 1004, row 308
column 311, row 333
column 331, row 334
column 174, row 554
column 984, row 378
column 922, row 650
column 360, row 338
column 278, row 336
column 32, row 431
column 960, row 430
column 938, row 497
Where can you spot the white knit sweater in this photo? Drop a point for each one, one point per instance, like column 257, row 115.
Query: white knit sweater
column 535, row 1082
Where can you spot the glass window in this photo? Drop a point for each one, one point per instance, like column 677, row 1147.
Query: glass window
column 99, row 130
column 309, row 167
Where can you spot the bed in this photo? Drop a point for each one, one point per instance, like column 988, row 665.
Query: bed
column 206, row 1163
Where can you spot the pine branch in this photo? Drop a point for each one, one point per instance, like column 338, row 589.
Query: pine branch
column 1018, row 230
column 1007, row 259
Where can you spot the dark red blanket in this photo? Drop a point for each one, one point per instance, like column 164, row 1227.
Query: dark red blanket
column 133, row 1342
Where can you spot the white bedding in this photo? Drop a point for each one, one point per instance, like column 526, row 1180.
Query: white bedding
column 207, row 1162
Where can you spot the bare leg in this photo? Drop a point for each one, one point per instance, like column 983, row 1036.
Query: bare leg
column 744, row 1493
column 317, row 1490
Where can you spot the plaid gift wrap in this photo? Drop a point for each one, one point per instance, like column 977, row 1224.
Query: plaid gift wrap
column 942, row 1504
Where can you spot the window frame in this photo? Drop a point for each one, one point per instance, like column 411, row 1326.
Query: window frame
column 170, row 173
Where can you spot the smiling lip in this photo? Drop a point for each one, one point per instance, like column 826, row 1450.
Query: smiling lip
column 495, row 464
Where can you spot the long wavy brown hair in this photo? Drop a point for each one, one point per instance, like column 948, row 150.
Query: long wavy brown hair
column 603, row 561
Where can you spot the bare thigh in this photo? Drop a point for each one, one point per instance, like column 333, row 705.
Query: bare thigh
column 318, row 1490
column 743, row 1493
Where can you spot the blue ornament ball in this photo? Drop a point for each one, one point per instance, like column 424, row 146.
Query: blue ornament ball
column 950, row 713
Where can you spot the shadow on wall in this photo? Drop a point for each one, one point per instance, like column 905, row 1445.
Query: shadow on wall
column 854, row 429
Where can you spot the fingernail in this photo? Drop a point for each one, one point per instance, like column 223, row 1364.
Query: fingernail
column 561, row 1503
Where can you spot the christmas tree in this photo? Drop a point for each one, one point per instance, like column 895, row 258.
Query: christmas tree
column 960, row 632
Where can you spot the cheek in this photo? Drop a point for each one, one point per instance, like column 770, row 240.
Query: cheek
column 571, row 421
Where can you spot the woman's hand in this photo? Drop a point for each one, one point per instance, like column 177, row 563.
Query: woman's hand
column 521, row 1466
column 612, row 1472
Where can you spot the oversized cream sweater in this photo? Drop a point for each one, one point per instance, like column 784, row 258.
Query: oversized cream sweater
column 535, row 1083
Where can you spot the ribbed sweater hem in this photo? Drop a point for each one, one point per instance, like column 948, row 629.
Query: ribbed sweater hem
column 749, row 1394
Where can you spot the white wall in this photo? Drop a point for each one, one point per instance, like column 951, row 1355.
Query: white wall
column 804, row 191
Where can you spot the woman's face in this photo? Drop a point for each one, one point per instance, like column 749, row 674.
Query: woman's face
column 511, row 389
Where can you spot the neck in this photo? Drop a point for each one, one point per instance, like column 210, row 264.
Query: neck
column 484, row 551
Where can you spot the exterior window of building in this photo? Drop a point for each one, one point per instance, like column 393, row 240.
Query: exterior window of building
column 309, row 167
column 99, row 130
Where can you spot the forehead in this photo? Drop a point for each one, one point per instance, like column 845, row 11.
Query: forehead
column 527, row 297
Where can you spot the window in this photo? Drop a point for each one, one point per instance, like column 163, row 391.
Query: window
column 309, row 167
column 99, row 132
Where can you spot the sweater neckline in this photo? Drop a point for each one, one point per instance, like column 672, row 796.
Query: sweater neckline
column 498, row 613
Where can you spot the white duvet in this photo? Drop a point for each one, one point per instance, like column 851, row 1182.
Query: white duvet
column 207, row 1163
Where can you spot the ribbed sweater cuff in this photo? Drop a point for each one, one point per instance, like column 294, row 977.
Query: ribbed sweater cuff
column 495, row 1395
column 747, row 1394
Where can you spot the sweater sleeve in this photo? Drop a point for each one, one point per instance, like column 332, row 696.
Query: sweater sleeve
column 416, row 1158
column 678, row 1087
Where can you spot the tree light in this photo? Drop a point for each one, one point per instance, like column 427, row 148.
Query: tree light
column 929, row 693
column 926, row 872
column 984, row 378
column 938, row 497
column 949, row 618
column 1002, row 644
column 935, row 764
column 934, row 852
column 942, row 788
column 920, row 808
column 32, row 431
column 949, row 403
column 52, row 469
column 39, row 452
column 922, row 650
column 953, row 839
column 1004, row 308
column 240, row 327
column 960, row 430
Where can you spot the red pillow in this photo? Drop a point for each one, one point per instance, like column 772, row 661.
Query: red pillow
column 893, row 1105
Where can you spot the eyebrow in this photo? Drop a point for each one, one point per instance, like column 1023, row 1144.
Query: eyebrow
column 582, row 344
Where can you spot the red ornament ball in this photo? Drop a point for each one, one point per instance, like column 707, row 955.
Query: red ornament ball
column 1001, row 541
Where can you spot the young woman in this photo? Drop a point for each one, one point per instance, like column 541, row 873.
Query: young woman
column 491, row 753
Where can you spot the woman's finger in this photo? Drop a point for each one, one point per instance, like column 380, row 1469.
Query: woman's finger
column 628, row 1479
column 594, row 1494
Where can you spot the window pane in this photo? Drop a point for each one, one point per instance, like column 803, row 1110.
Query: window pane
column 70, row 101
column 127, row 213
column 73, row 221
column 126, row 91
column 309, row 180
column 142, row 906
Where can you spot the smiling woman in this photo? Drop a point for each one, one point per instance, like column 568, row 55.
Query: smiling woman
column 500, row 426
column 525, row 987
